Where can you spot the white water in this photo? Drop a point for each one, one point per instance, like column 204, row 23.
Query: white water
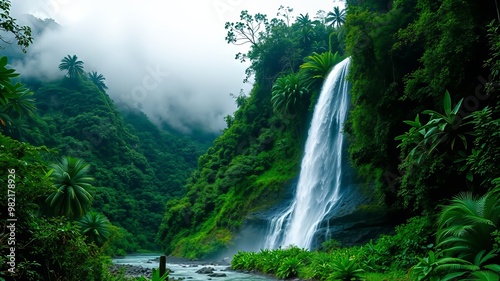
column 186, row 271
column 321, row 169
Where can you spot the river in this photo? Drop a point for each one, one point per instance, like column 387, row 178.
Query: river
column 188, row 270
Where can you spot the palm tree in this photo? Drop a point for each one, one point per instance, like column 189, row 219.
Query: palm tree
column 303, row 20
column 96, row 227
column 287, row 93
column 72, row 182
column 98, row 80
column 318, row 46
column 306, row 29
column 335, row 18
column 317, row 66
column 72, row 65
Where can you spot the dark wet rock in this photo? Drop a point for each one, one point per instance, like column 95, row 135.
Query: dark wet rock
column 131, row 270
column 205, row 270
column 217, row 275
column 355, row 220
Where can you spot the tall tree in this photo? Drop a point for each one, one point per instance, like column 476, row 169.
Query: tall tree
column 248, row 30
column 335, row 18
column 306, row 28
column 72, row 196
column 72, row 65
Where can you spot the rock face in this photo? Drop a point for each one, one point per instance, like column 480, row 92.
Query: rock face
column 355, row 221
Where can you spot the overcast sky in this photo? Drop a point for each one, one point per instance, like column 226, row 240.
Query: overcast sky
column 170, row 56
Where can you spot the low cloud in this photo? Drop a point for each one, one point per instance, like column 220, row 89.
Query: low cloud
column 129, row 41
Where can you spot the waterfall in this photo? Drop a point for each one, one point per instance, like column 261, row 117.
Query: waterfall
column 320, row 179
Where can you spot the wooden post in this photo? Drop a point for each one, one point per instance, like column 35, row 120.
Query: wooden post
column 163, row 265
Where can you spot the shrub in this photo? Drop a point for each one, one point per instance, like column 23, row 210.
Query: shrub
column 467, row 240
column 399, row 251
column 289, row 268
column 346, row 268
column 330, row 245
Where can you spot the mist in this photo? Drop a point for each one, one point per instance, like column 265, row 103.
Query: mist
column 169, row 58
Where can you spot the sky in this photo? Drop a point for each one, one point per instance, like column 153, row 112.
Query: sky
column 170, row 56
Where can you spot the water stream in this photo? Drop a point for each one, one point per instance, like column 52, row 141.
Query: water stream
column 188, row 271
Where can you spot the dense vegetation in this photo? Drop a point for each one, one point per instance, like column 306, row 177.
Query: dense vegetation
column 136, row 166
column 83, row 179
column 249, row 167
column 424, row 129
column 404, row 60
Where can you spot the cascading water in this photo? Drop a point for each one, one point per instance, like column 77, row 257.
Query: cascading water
column 320, row 176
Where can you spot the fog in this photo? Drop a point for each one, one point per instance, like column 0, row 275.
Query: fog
column 169, row 56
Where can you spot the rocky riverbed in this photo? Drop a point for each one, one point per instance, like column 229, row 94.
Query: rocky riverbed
column 181, row 269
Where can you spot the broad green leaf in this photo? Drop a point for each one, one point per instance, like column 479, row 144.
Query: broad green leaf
column 447, row 103
column 493, row 267
column 457, row 107
column 486, row 275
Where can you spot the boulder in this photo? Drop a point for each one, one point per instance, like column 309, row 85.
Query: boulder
column 217, row 275
column 205, row 270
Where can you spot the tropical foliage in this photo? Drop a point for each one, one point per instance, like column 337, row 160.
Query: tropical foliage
column 72, row 65
column 287, row 94
column 156, row 276
column 96, row 227
column 258, row 154
column 57, row 250
column 447, row 128
column 466, row 241
column 9, row 25
column 317, row 66
column 73, row 185
column 336, row 18
column 16, row 102
column 404, row 56
column 98, row 80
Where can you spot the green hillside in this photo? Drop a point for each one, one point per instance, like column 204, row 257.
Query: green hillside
column 136, row 166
